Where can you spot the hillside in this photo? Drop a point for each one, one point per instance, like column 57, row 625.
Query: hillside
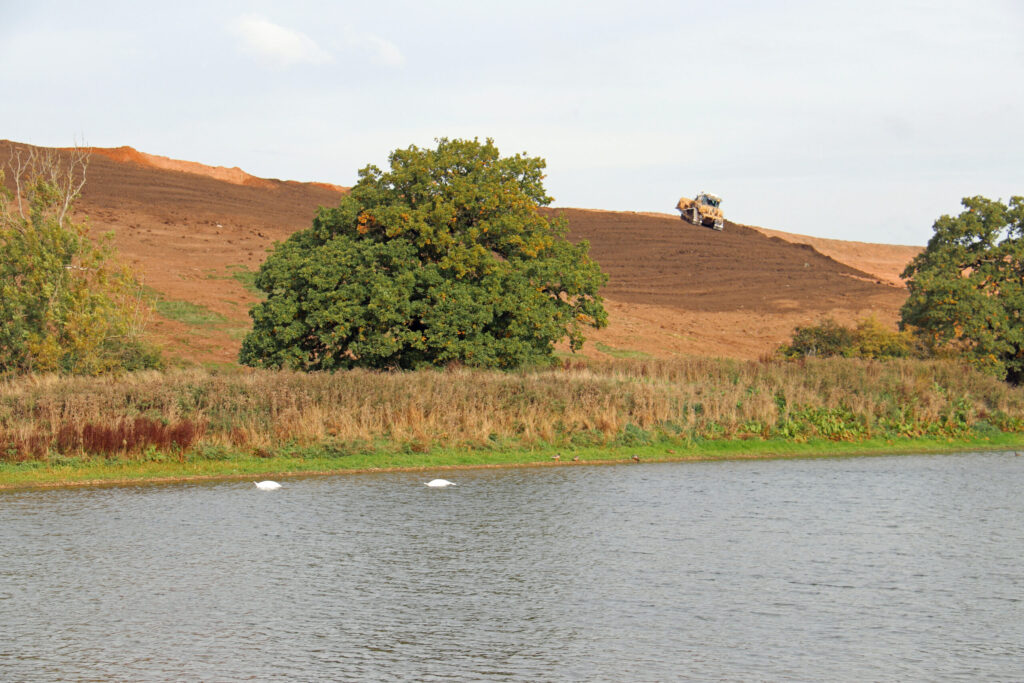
column 679, row 288
column 195, row 233
column 885, row 261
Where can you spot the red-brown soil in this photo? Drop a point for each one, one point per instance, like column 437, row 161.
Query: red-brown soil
column 182, row 230
column 678, row 288
column 232, row 175
column 674, row 288
column 886, row 261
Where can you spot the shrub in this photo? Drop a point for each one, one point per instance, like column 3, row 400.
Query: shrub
column 66, row 306
column 868, row 339
column 824, row 340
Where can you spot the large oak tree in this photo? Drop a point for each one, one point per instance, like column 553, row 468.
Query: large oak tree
column 444, row 258
column 967, row 286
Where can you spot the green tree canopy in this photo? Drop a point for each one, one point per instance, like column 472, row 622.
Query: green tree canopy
column 66, row 305
column 967, row 286
column 444, row 258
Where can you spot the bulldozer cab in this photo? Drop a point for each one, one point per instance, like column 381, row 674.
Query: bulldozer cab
column 709, row 199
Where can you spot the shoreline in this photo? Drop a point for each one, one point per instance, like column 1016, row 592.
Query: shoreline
column 102, row 473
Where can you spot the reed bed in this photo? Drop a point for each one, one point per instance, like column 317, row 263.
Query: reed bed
column 211, row 414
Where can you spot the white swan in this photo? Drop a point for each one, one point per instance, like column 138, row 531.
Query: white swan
column 436, row 483
column 267, row 485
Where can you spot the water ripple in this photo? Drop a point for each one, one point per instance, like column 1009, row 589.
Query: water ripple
column 901, row 568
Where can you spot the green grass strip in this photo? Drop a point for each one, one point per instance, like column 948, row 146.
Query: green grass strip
column 188, row 313
column 246, row 278
column 315, row 460
column 620, row 353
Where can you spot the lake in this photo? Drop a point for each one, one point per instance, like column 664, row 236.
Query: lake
column 884, row 568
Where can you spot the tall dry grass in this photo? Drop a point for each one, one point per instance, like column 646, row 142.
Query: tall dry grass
column 628, row 399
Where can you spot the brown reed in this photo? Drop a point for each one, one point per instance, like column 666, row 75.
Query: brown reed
column 597, row 402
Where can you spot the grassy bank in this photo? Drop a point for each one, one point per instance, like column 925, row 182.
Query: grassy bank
column 314, row 461
column 203, row 423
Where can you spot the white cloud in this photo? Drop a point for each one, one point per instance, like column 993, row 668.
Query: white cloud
column 277, row 44
column 381, row 51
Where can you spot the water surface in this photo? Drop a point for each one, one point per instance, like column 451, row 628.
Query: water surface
column 891, row 568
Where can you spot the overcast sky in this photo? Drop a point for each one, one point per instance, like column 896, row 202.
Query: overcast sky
column 856, row 120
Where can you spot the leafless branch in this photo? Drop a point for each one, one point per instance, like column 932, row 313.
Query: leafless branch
column 17, row 165
column 63, row 170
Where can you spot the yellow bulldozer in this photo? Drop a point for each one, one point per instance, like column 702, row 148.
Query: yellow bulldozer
column 703, row 210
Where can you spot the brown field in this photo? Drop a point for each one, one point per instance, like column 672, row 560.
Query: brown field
column 674, row 289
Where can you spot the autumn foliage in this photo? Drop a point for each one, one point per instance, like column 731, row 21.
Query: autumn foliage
column 66, row 304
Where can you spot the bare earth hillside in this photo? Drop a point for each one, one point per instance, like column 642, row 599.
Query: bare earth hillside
column 886, row 261
column 195, row 233
column 679, row 288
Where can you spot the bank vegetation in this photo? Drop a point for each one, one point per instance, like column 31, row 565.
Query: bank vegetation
column 196, row 414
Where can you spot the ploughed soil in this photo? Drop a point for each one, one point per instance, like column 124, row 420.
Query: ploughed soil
column 679, row 288
column 194, row 232
column 886, row 261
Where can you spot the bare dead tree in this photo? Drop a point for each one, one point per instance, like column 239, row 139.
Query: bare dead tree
column 62, row 171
